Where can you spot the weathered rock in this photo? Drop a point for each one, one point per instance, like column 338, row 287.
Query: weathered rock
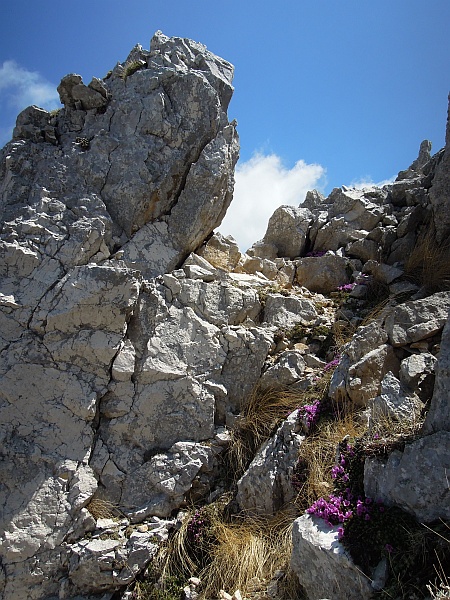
column 417, row 319
column 416, row 167
column 221, row 251
column 287, row 230
column 287, row 311
column 417, row 373
column 416, row 479
column 322, row 274
column 322, row 565
column 364, row 362
column 266, row 486
column 395, row 403
column 336, row 233
column 92, row 384
column 440, row 190
column 158, row 486
column 287, row 370
column 356, row 206
column 381, row 272
column 438, row 418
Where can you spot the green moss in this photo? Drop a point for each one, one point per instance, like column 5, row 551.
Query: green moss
column 132, row 67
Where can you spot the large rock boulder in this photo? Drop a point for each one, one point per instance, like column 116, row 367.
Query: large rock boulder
column 110, row 379
column 153, row 146
column 440, row 190
column 287, row 231
column 323, row 566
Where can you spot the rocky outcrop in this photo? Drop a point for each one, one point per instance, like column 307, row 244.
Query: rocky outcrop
column 440, row 190
column 106, row 376
column 131, row 335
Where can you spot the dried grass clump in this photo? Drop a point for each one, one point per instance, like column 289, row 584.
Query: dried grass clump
column 102, row 509
column 388, row 434
column 428, row 265
column 261, row 414
column 318, row 452
column 247, row 552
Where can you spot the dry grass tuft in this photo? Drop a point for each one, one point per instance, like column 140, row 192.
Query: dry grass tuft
column 102, row 509
column 318, row 452
column 428, row 265
column 243, row 554
column 252, row 550
column 261, row 414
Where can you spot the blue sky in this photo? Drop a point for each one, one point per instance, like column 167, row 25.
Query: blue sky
column 327, row 92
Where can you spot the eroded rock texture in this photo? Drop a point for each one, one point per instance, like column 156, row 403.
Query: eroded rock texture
column 103, row 371
column 131, row 335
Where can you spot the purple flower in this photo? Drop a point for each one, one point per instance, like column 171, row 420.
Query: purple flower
column 389, row 548
column 309, row 413
column 346, row 287
column 332, row 364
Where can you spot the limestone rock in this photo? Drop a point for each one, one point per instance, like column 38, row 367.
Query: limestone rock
column 322, row 274
column 266, row 485
column 287, row 230
column 322, row 565
column 287, row 311
column 395, row 403
column 364, row 362
column 415, row 479
column 417, row 319
column 417, row 372
column 440, row 190
column 287, row 370
column 417, row 165
column 159, row 485
column 438, row 418
column 103, row 369
column 365, row 376
column 221, row 251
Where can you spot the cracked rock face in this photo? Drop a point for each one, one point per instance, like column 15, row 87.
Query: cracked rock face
column 104, row 372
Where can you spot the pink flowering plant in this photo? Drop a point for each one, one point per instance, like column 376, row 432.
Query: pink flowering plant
column 360, row 518
column 308, row 414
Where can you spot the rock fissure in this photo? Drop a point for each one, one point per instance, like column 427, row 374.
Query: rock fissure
column 122, row 376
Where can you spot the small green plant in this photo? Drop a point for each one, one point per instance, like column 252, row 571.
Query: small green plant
column 131, row 67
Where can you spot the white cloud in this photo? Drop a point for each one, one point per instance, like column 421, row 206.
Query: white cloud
column 263, row 184
column 21, row 88
column 367, row 182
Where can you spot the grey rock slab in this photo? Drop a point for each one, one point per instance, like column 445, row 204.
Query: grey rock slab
column 322, row 274
column 287, row 311
column 440, row 190
column 417, row 320
column 438, row 417
column 287, row 230
column 266, row 486
column 287, row 370
column 322, row 565
column 159, row 485
column 356, row 206
column 416, row 479
column 364, row 377
column 395, row 403
column 221, row 251
column 336, row 233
